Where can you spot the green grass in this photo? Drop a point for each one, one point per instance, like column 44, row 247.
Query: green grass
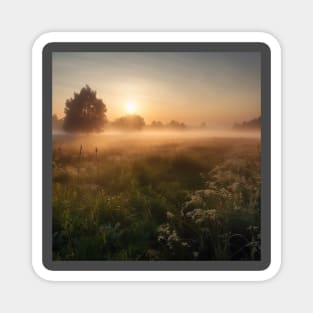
column 142, row 199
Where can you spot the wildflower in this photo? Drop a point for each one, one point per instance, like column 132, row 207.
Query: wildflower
column 173, row 236
column 169, row 215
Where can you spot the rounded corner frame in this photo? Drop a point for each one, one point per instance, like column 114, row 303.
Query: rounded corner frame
column 271, row 269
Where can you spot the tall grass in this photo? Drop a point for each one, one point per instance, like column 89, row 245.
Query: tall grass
column 187, row 199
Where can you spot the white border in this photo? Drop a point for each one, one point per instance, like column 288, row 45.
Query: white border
column 274, row 46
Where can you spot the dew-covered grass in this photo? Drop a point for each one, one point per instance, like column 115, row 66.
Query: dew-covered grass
column 156, row 197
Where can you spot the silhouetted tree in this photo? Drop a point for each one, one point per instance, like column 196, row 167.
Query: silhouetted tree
column 84, row 112
column 157, row 124
column 248, row 125
column 203, row 125
column 129, row 122
column 57, row 124
column 54, row 119
column 176, row 125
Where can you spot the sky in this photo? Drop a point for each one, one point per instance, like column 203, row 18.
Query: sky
column 218, row 88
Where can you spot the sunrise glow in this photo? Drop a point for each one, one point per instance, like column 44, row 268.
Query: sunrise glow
column 131, row 107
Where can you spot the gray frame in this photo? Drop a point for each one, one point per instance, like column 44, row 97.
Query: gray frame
column 265, row 157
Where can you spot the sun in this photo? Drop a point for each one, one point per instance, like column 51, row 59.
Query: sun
column 131, row 107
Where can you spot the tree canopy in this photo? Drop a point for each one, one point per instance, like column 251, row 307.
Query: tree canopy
column 129, row 122
column 85, row 112
column 176, row 125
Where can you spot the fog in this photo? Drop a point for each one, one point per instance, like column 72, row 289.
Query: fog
column 147, row 139
column 166, row 134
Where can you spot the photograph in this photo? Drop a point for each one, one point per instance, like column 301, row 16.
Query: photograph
column 156, row 156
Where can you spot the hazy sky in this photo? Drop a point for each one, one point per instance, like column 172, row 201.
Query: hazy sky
column 219, row 88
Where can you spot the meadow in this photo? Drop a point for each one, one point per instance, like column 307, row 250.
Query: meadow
column 156, row 196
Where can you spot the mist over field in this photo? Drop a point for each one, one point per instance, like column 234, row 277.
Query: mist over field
column 146, row 137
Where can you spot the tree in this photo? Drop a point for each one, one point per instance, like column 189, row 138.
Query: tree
column 84, row 112
column 57, row 124
column 176, row 125
column 129, row 122
column 248, row 125
column 54, row 119
column 157, row 124
column 203, row 125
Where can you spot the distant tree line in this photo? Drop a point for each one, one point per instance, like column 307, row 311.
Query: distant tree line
column 129, row 122
column 172, row 124
column 248, row 125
